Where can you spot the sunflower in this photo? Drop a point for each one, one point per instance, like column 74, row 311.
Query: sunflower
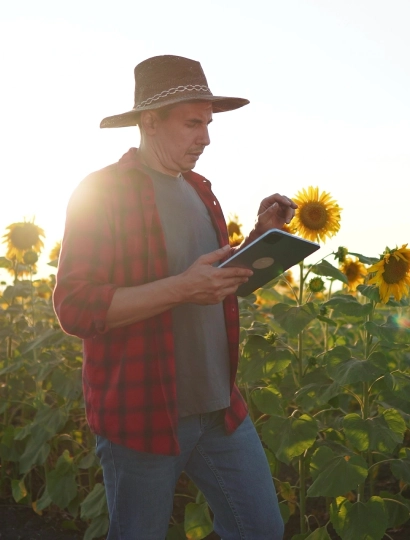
column 392, row 273
column 23, row 236
column 289, row 278
column 234, row 231
column 43, row 288
column 288, row 228
column 286, row 284
column 55, row 252
column 355, row 271
column 317, row 216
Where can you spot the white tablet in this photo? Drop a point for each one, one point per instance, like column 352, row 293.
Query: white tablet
column 268, row 256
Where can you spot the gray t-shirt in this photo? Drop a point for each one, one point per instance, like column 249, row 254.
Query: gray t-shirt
column 201, row 344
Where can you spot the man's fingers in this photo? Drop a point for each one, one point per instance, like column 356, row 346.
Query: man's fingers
column 214, row 256
column 285, row 211
column 282, row 200
column 285, row 201
column 235, row 272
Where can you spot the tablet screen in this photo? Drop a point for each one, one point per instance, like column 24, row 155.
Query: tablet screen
column 268, row 256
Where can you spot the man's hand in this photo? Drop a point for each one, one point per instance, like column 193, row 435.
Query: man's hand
column 202, row 283
column 274, row 212
column 205, row 284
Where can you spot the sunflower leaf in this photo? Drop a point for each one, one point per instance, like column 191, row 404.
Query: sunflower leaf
column 391, row 334
column 348, row 305
column 41, row 340
column 260, row 359
column 328, row 270
column 294, row 319
column 319, row 534
column 267, row 400
column 198, row 523
column 382, row 433
column 315, row 394
column 326, row 320
column 363, row 259
column 296, row 435
column 344, row 369
column 335, row 474
column 397, row 508
column 370, row 291
column 5, row 263
column 359, row 521
column 401, row 469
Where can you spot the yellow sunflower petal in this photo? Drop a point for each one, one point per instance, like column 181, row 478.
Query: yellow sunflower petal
column 317, row 216
column 355, row 271
column 23, row 236
column 392, row 274
column 55, row 252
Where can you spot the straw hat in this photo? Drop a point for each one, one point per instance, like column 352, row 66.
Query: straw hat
column 167, row 80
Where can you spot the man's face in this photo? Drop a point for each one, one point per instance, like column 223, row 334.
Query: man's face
column 182, row 136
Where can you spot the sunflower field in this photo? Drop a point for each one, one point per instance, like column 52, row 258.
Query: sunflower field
column 324, row 367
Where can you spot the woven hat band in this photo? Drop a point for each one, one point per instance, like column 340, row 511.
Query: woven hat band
column 198, row 89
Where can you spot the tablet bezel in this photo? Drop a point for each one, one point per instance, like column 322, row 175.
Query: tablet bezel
column 287, row 251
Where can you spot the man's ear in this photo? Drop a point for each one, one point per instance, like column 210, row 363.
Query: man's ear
column 149, row 122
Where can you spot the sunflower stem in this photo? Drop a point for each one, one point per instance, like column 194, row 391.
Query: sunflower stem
column 302, row 494
column 249, row 402
column 32, row 300
column 300, row 335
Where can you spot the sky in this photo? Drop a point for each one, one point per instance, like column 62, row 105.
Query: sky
column 328, row 83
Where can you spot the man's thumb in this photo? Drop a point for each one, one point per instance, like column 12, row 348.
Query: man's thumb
column 217, row 255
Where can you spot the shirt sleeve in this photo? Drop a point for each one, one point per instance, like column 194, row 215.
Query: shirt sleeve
column 84, row 291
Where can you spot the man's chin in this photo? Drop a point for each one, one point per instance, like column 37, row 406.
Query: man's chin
column 189, row 167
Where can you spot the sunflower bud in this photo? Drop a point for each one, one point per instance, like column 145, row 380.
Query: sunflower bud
column 312, row 361
column 323, row 311
column 271, row 337
column 30, row 258
column 341, row 253
column 316, row 285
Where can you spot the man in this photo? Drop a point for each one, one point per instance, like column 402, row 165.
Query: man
column 138, row 282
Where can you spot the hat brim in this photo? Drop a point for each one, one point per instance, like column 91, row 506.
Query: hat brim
column 219, row 104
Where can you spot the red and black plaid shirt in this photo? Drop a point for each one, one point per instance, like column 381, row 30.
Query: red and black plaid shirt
column 113, row 238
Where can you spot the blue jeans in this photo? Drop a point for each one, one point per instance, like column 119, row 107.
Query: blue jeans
column 231, row 471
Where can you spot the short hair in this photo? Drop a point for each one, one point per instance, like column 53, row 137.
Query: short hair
column 162, row 112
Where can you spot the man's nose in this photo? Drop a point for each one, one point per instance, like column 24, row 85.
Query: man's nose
column 203, row 138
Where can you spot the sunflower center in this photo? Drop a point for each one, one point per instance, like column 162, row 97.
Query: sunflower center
column 352, row 272
column 395, row 270
column 24, row 237
column 313, row 215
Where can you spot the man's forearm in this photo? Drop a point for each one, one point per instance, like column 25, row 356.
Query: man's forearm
column 133, row 304
column 201, row 283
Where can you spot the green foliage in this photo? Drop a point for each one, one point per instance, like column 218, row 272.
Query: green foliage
column 360, row 521
column 297, row 434
column 334, row 474
column 327, row 380
column 198, row 523
column 44, row 438
column 338, row 411
column 326, row 269
column 319, row 534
